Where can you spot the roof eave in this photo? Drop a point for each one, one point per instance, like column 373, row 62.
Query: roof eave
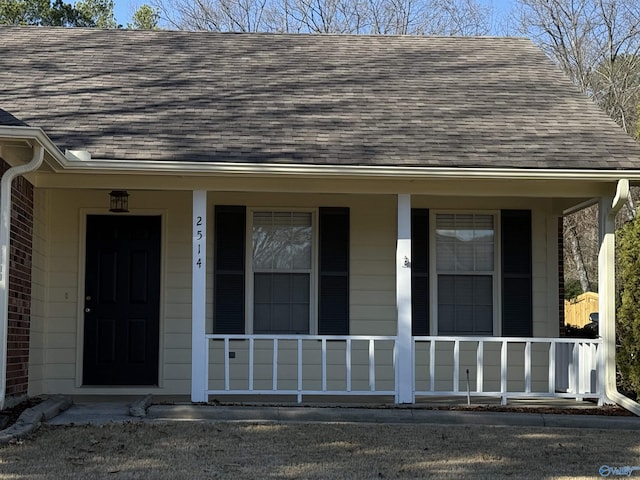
column 60, row 163
column 186, row 168
column 31, row 135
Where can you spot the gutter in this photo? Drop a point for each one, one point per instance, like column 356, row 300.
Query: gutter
column 606, row 287
column 191, row 168
column 71, row 163
column 5, row 226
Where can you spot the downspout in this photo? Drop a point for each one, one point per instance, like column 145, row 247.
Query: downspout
column 5, row 226
column 607, row 296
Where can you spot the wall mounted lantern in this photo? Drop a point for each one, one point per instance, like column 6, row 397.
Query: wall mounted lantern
column 119, row 201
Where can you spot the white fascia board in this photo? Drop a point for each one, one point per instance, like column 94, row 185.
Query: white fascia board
column 329, row 171
column 63, row 164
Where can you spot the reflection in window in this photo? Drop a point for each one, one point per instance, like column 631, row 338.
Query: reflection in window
column 465, row 258
column 282, row 261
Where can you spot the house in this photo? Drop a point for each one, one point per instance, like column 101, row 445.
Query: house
column 297, row 214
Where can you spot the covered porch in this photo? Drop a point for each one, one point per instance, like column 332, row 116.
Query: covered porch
column 384, row 351
column 406, row 366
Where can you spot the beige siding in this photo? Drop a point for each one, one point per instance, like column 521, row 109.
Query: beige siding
column 37, row 337
column 373, row 253
column 57, row 329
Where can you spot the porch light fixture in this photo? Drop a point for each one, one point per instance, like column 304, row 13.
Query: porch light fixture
column 119, row 201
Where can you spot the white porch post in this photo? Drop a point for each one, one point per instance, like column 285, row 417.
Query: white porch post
column 606, row 291
column 198, row 298
column 606, row 298
column 404, row 347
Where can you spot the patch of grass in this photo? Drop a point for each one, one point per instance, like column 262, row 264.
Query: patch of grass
column 198, row 450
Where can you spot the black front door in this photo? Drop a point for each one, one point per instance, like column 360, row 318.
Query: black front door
column 122, row 300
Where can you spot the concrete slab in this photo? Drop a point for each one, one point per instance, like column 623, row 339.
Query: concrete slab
column 94, row 413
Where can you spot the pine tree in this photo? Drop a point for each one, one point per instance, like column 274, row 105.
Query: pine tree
column 145, row 18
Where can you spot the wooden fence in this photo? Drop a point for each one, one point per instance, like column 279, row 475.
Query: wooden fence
column 577, row 310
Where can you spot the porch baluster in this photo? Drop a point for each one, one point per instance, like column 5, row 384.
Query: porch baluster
column 324, row 364
column 480, row 367
column 575, row 385
column 372, row 366
column 456, row 366
column 592, row 374
column 527, row 367
column 503, row 372
column 299, row 370
column 432, row 366
column 226, row 364
column 348, row 362
column 275, row 364
column 251, row 364
column 552, row 366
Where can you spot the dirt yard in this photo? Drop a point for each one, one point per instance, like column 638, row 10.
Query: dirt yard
column 192, row 450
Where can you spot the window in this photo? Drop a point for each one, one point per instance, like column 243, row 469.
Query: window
column 465, row 265
column 265, row 278
column 282, row 260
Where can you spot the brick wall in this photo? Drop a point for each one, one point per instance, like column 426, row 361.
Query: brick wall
column 19, row 285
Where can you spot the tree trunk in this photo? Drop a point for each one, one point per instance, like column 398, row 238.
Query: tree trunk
column 631, row 205
column 576, row 254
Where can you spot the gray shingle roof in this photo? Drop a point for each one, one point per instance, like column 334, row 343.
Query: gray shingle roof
column 308, row 99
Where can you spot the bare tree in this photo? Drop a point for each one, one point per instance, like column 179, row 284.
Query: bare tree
column 596, row 42
column 456, row 17
column 580, row 232
column 326, row 16
column 393, row 17
column 214, row 15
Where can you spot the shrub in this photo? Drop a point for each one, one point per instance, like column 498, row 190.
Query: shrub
column 572, row 288
column 588, row 331
column 628, row 314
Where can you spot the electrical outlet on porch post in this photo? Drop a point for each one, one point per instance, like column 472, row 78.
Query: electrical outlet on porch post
column 404, row 347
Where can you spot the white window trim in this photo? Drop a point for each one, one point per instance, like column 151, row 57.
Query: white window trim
column 313, row 283
column 433, row 272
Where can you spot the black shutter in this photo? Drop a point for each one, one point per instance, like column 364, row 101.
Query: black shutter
column 517, row 298
column 333, row 308
column 229, row 262
column 419, row 271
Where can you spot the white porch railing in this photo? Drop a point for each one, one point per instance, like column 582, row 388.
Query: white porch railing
column 368, row 365
column 301, row 365
column 507, row 367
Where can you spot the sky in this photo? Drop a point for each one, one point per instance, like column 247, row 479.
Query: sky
column 124, row 8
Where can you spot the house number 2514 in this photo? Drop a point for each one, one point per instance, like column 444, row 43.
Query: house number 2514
column 198, row 235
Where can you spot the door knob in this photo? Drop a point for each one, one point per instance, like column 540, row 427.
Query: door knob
column 87, row 310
